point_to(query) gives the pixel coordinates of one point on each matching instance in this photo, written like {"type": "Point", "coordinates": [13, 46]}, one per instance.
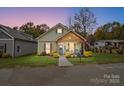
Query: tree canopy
{"type": "Point", "coordinates": [31, 29]}
{"type": "Point", "coordinates": [84, 22]}
{"type": "Point", "coordinates": [109, 31]}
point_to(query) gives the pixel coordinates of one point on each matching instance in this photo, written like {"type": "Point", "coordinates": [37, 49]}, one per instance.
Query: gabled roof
{"type": "Point", "coordinates": [54, 27]}
{"type": "Point", "coordinates": [74, 33]}
{"type": "Point", "coordinates": [16, 34]}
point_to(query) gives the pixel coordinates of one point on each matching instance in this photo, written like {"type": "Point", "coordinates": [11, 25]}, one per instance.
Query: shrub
{"type": "Point", "coordinates": [43, 53]}
{"type": "Point", "coordinates": [51, 54]}
{"type": "Point", "coordinates": [5, 55]}
{"type": "Point", "coordinates": [55, 55]}
{"type": "Point", "coordinates": [68, 54]}
{"type": "Point", "coordinates": [88, 53]}
{"type": "Point", "coordinates": [72, 56]}
{"type": "Point", "coordinates": [120, 51]}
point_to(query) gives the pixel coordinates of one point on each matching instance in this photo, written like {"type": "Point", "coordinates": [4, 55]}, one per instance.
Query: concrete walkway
{"type": "Point", "coordinates": [64, 62]}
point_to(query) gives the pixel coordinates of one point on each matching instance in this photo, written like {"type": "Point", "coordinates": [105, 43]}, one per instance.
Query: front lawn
{"type": "Point", "coordinates": [99, 58]}
{"type": "Point", "coordinates": [30, 60]}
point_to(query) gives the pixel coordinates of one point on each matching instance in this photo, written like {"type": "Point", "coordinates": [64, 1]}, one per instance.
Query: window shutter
{"type": "Point", "coordinates": [50, 47]}
{"type": "Point", "coordinates": [5, 48]}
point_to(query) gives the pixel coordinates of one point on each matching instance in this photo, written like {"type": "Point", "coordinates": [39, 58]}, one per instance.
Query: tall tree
{"type": "Point", "coordinates": [34, 30]}
{"type": "Point", "coordinates": [110, 31]}
{"type": "Point", "coordinates": [84, 21]}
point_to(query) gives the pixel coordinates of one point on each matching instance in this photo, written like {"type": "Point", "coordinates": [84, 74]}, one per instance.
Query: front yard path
{"type": "Point", "coordinates": [64, 62]}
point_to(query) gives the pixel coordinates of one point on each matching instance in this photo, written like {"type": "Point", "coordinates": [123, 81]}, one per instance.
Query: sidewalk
{"type": "Point", "coordinates": [64, 62]}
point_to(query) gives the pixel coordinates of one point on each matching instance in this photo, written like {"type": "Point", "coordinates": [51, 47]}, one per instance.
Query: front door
{"type": "Point", "coordinates": [61, 51]}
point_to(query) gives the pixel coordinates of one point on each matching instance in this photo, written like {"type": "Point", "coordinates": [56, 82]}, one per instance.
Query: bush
{"type": "Point", "coordinates": [5, 55]}
{"type": "Point", "coordinates": [55, 55]}
{"type": "Point", "coordinates": [120, 51]}
{"type": "Point", "coordinates": [51, 54]}
{"type": "Point", "coordinates": [88, 53]}
{"type": "Point", "coordinates": [68, 54]}
{"type": "Point", "coordinates": [43, 54]}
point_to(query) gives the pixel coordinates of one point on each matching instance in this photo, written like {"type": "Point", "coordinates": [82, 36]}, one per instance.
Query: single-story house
{"type": "Point", "coordinates": [113, 43]}
{"type": "Point", "coordinates": [59, 38]}
{"type": "Point", "coordinates": [16, 43]}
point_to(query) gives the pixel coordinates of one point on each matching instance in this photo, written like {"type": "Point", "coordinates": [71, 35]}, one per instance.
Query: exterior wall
{"type": "Point", "coordinates": [54, 46]}
{"type": "Point", "coordinates": [9, 46]}
{"type": "Point", "coordinates": [41, 47]}
{"type": "Point", "coordinates": [25, 47]}
{"type": "Point", "coordinates": [99, 44]}
{"type": "Point", "coordinates": [52, 35]}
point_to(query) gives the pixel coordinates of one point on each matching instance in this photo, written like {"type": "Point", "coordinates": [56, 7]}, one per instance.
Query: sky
{"type": "Point", "coordinates": [15, 16]}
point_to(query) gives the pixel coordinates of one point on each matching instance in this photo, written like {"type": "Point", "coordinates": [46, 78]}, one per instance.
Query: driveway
{"type": "Point", "coordinates": [90, 74]}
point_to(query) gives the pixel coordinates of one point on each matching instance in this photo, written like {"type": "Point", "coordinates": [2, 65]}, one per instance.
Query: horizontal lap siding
{"type": "Point", "coordinates": [40, 47]}
{"type": "Point", "coordinates": [26, 47]}
{"type": "Point", "coordinates": [9, 46]}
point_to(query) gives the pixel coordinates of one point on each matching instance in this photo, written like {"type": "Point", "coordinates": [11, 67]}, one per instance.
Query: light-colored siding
{"type": "Point", "coordinates": [40, 47]}
{"type": "Point", "coordinates": [26, 47]}
{"type": "Point", "coordinates": [9, 46]}
{"type": "Point", "coordinates": [54, 46]}
{"type": "Point", "coordinates": [52, 35]}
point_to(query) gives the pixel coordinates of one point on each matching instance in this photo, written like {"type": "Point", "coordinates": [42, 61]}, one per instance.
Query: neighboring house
{"type": "Point", "coordinates": [16, 43]}
{"type": "Point", "coordinates": [59, 38]}
{"type": "Point", "coordinates": [113, 43]}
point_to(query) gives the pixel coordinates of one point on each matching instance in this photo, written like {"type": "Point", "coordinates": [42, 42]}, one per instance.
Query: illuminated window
{"type": "Point", "coordinates": [47, 48]}
{"type": "Point", "coordinates": [59, 30]}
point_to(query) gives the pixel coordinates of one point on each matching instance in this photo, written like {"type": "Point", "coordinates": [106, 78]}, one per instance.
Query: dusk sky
{"type": "Point", "coordinates": [51, 16]}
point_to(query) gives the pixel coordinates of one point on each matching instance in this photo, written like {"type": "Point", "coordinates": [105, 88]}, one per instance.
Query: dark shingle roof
{"type": "Point", "coordinates": [17, 34]}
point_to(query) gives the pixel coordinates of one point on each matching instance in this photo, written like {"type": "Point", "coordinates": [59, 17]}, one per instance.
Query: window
{"type": "Point", "coordinates": [59, 30]}
{"type": "Point", "coordinates": [18, 49]}
{"type": "Point", "coordinates": [47, 48]}
{"type": "Point", "coordinates": [96, 43]}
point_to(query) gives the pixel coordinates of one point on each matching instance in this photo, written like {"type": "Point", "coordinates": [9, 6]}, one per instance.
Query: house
{"type": "Point", "coordinates": [59, 38]}
{"type": "Point", "coordinates": [16, 43]}
{"type": "Point", "coordinates": [113, 43]}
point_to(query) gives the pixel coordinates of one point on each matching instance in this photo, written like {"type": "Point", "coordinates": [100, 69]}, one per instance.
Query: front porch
{"type": "Point", "coordinates": [71, 42]}
{"type": "Point", "coordinates": [72, 47]}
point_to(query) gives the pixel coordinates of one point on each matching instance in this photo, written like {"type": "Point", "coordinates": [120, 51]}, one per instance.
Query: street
{"type": "Point", "coordinates": [82, 75]}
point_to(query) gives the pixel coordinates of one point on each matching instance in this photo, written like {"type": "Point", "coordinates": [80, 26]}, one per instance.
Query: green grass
{"type": "Point", "coordinates": [30, 60]}
{"type": "Point", "coordinates": [99, 58]}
